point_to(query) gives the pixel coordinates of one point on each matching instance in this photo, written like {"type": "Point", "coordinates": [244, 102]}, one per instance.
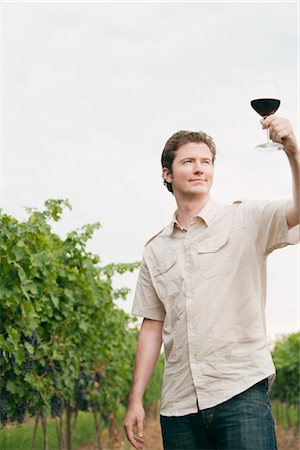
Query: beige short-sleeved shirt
{"type": "Point", "coordinates": [208, 285]}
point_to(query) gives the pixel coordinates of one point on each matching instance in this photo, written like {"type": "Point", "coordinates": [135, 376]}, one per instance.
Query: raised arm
{"type": "Point", "coordinates": [282, 131]}
{"type": "Point", "coordinates": [148, 348]}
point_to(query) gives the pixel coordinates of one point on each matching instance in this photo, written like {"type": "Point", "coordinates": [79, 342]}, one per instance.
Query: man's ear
{"type": "Point", "coordinates": [166, 174]}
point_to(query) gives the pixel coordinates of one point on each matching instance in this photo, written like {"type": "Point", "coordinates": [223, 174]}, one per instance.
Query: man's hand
{"type": "Point", "coordinates": [281, 131]}
{"type": "Point", "coordinates": [134, 425]}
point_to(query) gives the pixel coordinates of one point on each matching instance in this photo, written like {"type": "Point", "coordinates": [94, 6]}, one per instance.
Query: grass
{"type": "Point", "coordinates": [20, 437]}
{"type": "Point", "coordinates": [286, 415]}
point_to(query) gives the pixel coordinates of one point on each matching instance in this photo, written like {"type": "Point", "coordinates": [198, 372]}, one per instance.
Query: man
{"type": "Point", "coordinates": [201, 291]}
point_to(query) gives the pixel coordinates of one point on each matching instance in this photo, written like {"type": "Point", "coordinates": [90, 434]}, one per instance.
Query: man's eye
{"type": "Point", "coordinates": [187, 161]}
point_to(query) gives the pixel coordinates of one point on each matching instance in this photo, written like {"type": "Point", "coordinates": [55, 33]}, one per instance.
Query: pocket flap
{"type": "Point", "coordinates": [213, 244]}
{"type": "Point", "coordinates": [165, 266]}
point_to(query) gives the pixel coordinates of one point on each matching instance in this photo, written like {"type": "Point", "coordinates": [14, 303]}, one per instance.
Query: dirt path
{"type": "Point", "coordinates": [286, 440]}
{"type": "Point", "coordinates": [153, 439]}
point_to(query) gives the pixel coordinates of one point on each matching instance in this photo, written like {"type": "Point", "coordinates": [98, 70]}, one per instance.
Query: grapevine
{"type": "Point", "coordinates": [64, 345]}
{"type": "Point", "coordinates": [56, 405]}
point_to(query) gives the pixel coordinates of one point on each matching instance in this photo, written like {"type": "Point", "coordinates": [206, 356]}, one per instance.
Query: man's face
{"type": "Point", "coordinates": [192, 170]}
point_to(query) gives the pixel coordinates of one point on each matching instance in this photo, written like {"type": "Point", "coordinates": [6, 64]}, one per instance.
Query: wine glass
{"type": "Point", "coordinates": [265, 103]}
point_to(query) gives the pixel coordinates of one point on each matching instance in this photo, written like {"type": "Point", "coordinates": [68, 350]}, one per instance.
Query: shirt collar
{"type": "Point", "coordinates": [207, 213]}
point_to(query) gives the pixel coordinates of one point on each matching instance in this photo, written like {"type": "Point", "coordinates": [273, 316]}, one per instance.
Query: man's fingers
{"type": "Point", "coordinates": [280, 131]}
{"type": "Point", "coordinates": [139, 438]}
{"type": "Point", "coordinates": [267, 120]}
{"type": "Point", "coordinates": [129, 433]}
{"type": "Point", "coordinates": [136, 440]}
{"type": "Point", "coordinates": [140, 428]}
{"type": "Point", "coordinates": [276, 122]}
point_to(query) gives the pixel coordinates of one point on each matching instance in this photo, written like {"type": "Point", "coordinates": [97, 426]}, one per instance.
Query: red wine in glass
{"type": "Point", "coordinates": [265, 107]}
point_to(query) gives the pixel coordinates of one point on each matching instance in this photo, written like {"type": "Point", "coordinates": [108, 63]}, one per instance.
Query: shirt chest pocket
{"type": "Point", "coordinates": [213, 256]}
{"type": "Point", "coordinates": [167, 279]}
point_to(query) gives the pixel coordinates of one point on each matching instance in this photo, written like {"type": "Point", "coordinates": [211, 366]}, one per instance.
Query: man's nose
{"type": "Point", "coordinates": [198, 167]}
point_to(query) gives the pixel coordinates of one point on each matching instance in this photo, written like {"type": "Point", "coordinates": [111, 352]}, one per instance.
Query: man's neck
{"type": "Point", "coordinates": [188, 209]}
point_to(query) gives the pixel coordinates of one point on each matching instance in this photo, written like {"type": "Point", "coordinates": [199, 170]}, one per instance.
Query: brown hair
{"type": "Point", "coordinates": [177, 140]}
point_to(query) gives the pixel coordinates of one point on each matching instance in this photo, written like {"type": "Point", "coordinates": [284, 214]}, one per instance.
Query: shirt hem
{"type": "Point", "coordinates": [178, 412]}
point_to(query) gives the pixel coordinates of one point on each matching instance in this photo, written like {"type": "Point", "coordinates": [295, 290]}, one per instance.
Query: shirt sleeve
{"type": "Point", "coordinates": [146, 302]}
{"type": "Point", "coordinates": [270, 225]}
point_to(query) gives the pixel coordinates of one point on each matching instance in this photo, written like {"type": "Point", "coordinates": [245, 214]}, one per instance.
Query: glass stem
{"type": "Point", "coordinates": [268, 136]}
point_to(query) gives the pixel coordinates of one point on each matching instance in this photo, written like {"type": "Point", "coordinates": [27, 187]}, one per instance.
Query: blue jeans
{"type": "Point", "coordinates": [243, 422]}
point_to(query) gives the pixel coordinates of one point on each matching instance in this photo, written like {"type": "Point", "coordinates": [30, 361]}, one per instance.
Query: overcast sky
{"type": "Point", "coordinates": [92, 90]}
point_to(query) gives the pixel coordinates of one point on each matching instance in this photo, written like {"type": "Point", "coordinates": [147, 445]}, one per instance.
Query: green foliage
{"type": "Point", "coordinates": [152, 394]}
{"type": "Point", "coordinates": [63, 341]}
{"type": "Point", "coordinates": [286, 359]}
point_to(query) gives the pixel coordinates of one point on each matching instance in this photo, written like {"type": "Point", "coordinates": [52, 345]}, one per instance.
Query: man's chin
{"type": "Point", "coordinates": [199, 190]}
